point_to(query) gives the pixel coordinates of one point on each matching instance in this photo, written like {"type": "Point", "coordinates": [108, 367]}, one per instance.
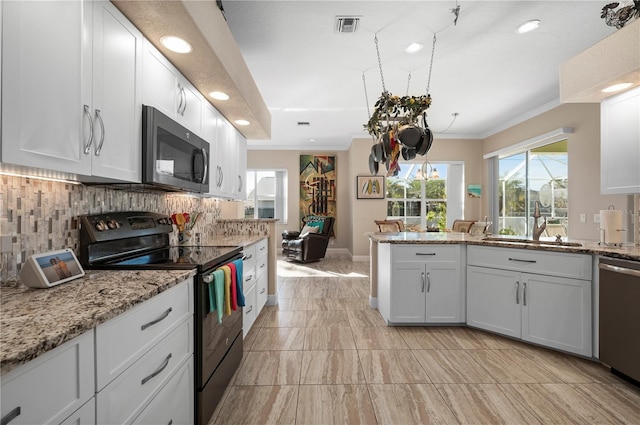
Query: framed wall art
{"type": "Point", "coordinates": [370, 187]}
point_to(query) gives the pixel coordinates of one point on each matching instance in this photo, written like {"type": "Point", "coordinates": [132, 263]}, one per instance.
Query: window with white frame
{"type": "Point", "coordinates": [534, 171]}
{"type": "Point", "coordinates": [266, 194]}
{"type": "Point", "coordinates": [426, 196]}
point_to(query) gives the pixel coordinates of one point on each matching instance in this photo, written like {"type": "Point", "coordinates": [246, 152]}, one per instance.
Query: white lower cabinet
{"type": "Point", "coordinates": [83, 416]}
{"type": "Point", "coordinates": [52, 387]}
{"type": "Point", "coordinates": [174, 403]}
{"type": "Point", "coordinates": [421, 283]}
{"type": "Point", "coordinates": [256, 281]}
{"type": "Point", "coordinates": [145, 374]}
{"type": "Point", "coordinates": [550, 308]}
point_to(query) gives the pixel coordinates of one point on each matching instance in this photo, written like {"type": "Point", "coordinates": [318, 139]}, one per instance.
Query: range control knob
{"type": "Point", "coordinates": [101, 226]}
{"type": "Point", "coordinates": [112, 224]}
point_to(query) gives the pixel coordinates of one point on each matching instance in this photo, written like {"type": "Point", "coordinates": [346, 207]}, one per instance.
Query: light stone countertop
{"type": "Point", "coordinates": [34, 321]}
{"type": "Point", "coordinates": [627, 252]}
{"type": "Point", "coordinates": [232, 240]}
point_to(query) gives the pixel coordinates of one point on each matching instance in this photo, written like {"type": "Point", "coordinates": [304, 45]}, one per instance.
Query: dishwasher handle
{"type": "Point", "coordinates": [617, 269]}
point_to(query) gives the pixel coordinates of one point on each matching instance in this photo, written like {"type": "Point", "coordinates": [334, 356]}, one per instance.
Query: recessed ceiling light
{"type": "Point", "coordinates": [413, 48]}
{"type": "Point", "coordinates": [312, 140]}
{"type": "Point", "coordinates": [176, 44]}
{"type": "Point", "coordinates": [218, 95]}
{"type": "Point", "coordinates": [242, 122]}
{"type": "Point", "coordinates": [616, 87]}
{"type": "Point", "coordinates": [528, 26]}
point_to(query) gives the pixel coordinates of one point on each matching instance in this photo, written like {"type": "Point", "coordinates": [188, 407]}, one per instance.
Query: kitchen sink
{"type": "Point", "coordinates": [530, 241]}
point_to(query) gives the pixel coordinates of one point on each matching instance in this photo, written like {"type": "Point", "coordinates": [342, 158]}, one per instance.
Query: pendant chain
{"type": "Point", "coordinates": [433, 49]}
{"type": "Point", "coordinates": [408, 83]}
{"type": "Point", "coordinates": [366, 96]}
{"type": "Point", "coordinates": [375, 39]}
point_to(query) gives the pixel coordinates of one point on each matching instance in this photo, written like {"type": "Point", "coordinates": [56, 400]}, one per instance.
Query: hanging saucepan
{"type": "Point", "coordinates": [386, 144]}
{"type": "Point", "coordinates": [408, 153]}
{"type": "Point", "coordinates": [373, 165]}
{"type": "Point", "coordinates": [427, 138]}
{"type": "Point", "coordinates": [409, 135]}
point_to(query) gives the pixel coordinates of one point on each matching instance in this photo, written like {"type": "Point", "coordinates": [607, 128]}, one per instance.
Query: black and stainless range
{"type": "Point", "coordinates": [140, 240]}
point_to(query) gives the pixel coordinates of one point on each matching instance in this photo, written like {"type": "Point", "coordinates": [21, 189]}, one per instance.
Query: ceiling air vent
{"type": "Point", "coordinates": [347, 24]}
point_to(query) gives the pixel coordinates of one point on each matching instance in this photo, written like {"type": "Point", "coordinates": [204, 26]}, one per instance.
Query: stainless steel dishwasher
{"type": "Point", "coordinates": [620, 316]}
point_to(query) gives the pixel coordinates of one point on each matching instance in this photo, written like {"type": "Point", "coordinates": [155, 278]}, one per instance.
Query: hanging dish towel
{"type": "Point", "coordinates": [227, 289]}
{"type": "Point", "coordinates": [239, 279]}
{"type": "Point", "coordinates": [234, 291]}
{"type": "Point", "coordinates": [218, 281]}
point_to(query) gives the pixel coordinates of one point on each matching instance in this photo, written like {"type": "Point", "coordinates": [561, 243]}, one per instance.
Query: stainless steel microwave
{"type": "Point", "coordinates": [174, 158]}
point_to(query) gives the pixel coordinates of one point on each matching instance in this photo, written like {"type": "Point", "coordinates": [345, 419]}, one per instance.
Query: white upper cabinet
{"type": "Point", "coordinates": [241, 186]}
{"type": "Point", "coordinates": [620, 143]}
{"type": "Point", "coordinates": [71, 89]}
{"type": "Point", "coordinates": [166, 89]}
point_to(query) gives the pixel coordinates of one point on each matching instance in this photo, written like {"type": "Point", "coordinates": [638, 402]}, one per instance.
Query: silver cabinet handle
{"type": "Point", "coordinates": [219, 183]}
{"type": "Point", "coordinates": [524, 293]}
{"type": "Point", "coordinates": [248, 257]}
{"type": "Point", "coordinates": [249, 278]}
{"type": "Point", "coordinates": [522, 261]}
{"type": "Point", "coordinates": [249, 310]}
{"type": "Point", "coordinates": [87, 146]}
{"type": "Point", "coordinates": [423, 282]}
{"type": "Point", "coordinates": [262, 265]}
{"type": "Point", "coordinates": [10, 416]}
{"type": "Point", "coordinates": [263, 289]}
{"type": "Point", "coordinates": [517, 292]}
{"type": "Point", "coordinates": [425, 253]}
{"type": "Point", "coordinates": [99, 146]}
{"type": "Point", "coordinates": [181, 97]}
{"type": "Point", "coordinates": [428, 281]}
{"type": "Point", "coordinates": [239, 184]}
{"type": "Point", "coordinates": [221, 176]}
{"type": "Point", "coordinates": [159, 319]}
{"type": "Point", "coordinates": [205, 160]}
{"type": "Point", "coordinates": [158, 370]}
{"type": "Point", "coordinates": [184, 107]}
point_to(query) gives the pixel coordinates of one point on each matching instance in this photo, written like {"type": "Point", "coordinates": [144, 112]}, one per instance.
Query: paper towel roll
{"type": "Point", "coordinates": [611, 226]}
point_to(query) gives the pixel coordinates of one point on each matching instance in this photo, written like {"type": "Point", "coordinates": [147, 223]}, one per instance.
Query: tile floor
{"type": "Point", "coordinates": [322, 356]}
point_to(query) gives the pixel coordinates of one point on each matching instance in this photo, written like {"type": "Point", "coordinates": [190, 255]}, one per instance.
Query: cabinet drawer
{"type": "Point", "coordinates": [248, 276]}
{"type": "Point", "coordinates": [576, 266]}
{"type": "Point", "coordinates": [250, 253]}
{"type": "Point", "coordinates": [174, 403]}
{"type": "Point", "coordinates": [86, 415]}
{"type": "Point", "coordinates": [249, 310]}
{"type": "Point", "coordinates": [51, 387]}
{"type": "Point", "coordinates": [261, 292]}
{"type": "Point", "coordinates": [120, 341]}
{"type": "Point", "coordinates": [124, 398]}
{"type": "Point", "coordinates": [262, 265]}
{"type": "Point", "coordinates": [262, 248]}
{"type": "Point", "coordinates": [425, 253]}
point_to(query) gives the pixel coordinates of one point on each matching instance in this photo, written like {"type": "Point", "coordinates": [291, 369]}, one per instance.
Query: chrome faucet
{"type": "Point", "coordinates": [537, 230]}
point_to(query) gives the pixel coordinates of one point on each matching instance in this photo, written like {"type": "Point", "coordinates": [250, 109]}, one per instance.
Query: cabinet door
{"type": "Point", "coordinates": [117, 94]}
{"type": "Point", "coordinates": [242, 167]}
{"type": "Point", "coordinates": [160, 82]}
{"type": "Point", "coordinates": [444, 294]}
{"type": "Point", "coordinates": [86, 415]}
{"type": "Point", "coordinates": [190, 106]}
{"type": "Point", "coordinates": [249, 311]}
{"type": "Point", "coordinates": [210, 122]}
{"type": "Point", "coordinates": [408, 289]}
{"type": "Point", "coordinates": [51, 387]}
{"type": "Point", "coordinates": [620, 143]}
{"type": "Point", "coordinates": [227, 158]}
{"type": "Point", "coordinates": [556, 312]}
{"type": "Point", "coordinates": [494, 300]}
{"type": "Point", "coordinates": [46, 84]}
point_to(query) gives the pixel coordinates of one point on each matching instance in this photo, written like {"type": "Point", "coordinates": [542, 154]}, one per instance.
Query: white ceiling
{"type": "Point", "coordinates": [484, 71]}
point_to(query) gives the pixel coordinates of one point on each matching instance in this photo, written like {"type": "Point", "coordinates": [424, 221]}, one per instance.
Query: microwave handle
{"type": "Point", "coordinates": [205, 160]}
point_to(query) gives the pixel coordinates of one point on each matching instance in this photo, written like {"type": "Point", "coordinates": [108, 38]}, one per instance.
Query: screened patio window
{"type": "Point", "coordinates": [266, 194]}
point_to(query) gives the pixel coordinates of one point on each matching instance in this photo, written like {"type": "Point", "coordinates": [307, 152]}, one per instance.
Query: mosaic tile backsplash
{"type": "Point", "coordinates": [39, 215]}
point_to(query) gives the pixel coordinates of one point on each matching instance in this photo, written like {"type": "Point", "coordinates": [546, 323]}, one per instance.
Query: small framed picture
{"type": "Point", "coordinates": [50, 268]}
{"type": "Point", "coordinates": [370, 187]}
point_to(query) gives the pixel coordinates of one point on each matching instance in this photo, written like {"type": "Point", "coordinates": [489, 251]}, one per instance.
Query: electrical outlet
{"type": "Point", "coordinates": [583, 218]}
{"type": "Point", "coordinates": [596, 218]}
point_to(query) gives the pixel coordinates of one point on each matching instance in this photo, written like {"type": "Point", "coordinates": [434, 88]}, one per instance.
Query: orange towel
{"type": "Point", "coordinates": [227, 289]}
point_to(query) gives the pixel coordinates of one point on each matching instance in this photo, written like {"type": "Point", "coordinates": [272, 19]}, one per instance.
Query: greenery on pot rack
{"type": "Point", "coordinates": [401, 109]}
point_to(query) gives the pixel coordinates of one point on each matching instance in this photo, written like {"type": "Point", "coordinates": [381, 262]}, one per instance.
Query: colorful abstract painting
{"type": "Point", "coordinates": [318, 186]}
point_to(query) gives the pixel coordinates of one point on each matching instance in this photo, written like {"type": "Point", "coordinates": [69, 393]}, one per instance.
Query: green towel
{"type": "Point", "coordinates": [218, 279]}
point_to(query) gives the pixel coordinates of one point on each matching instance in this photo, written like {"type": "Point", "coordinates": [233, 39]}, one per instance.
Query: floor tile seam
{"type": "Point", "coordinates": [526, 406]}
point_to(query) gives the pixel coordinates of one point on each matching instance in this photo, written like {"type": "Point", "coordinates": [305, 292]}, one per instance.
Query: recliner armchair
{"type": "Point", "coordinates": [304, 245]}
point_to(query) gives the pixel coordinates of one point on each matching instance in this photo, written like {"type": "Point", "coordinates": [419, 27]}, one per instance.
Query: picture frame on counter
{"type": "Point", "coordinates": [370, 187]}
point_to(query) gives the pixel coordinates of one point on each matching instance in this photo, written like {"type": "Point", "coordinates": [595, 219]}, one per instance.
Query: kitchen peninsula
{"type": "Point", "coordinates": [504, 286]}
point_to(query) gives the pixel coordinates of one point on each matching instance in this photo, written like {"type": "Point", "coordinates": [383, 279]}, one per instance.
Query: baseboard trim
{"type": "Point", "coordinates": [272, 299]}
{"type": "Point", "coordinates": [360, 258]}
{"type": "Point", "coordinates": [373, 302]}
